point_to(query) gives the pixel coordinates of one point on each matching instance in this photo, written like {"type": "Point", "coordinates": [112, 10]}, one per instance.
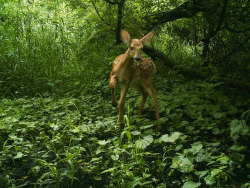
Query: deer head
{"type": "Point", "coordinates": [135, 45]}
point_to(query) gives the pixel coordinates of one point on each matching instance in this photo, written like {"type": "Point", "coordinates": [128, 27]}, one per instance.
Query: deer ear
{"type": "Point", "coordinates": [125, 37]}
{"type": "Point", "coordinates": [147, 38]}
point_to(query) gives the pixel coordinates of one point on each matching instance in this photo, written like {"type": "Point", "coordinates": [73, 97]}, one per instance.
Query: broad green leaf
{"type": "Point", "coordinates": [18, 155]}
{"type": "Point", "coordinates": [115, 157]}
{"type": "Point", "coordinates": [196, 147]}
{"type": "Point", "coordinates": [191, 184]}
{"type": "Point", "coordinates": [182, 164]}
{"type": "Point", "coordinates": [103, 142]}
{"type": "Point", "coordinates": [201, 173]}
{"type": "Point", "coordinates": [174, 136]}
{"type": "Point", "coordinates": [136, 132]}
{"type": "Point", "coordinates": [238, 127]}
{"type": "Point", "coordinates": [143, 143]}
{"type": "Point", "coordinates": [202, 156]}
{"type": "Point", "coordinates": [146, 127]}
{"type": "Point", "coordinates": [54, 126]}
{"type": "Point", "coordinates": [148, 138]}
{"type": "Point", "coordinates": [215, 172]}
{"type": "Point", "coordinates": [210, 180]}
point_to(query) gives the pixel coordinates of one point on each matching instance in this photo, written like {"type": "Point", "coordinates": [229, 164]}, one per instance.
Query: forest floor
{"type": "Point", "coordinates": [67, 141]}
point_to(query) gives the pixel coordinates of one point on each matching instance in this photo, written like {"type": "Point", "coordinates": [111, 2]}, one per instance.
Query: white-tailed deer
{"type": "Point", "coordinates": [132, 70]}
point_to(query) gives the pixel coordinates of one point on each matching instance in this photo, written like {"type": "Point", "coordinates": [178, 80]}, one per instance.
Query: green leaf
{"type": "Point", "coordinates": [135, 182]}
{"type": "Point", "coordinates": [146, 127]}
{"type": "Point", "coordinates": [148, 138]}
{"type": "Point", "coordinates": [143, 143]}
{"type": "Point", "coordinates": [237, 147]}
{"type": "Point", "coordinates": [196, 147]}
{"type": "Point", "coordinates": [238, 128]}
{"type": "Point", "coordinates": [109, 170]}
{"type": "Point", "coordinates": [237, 157]}
{"type": "Point", "coordinates": [232, 110]}
{"type": "Point", "coordinates": [103, 142]}
{"type": "Point", "coordinates": [174, 136]}
{"type": "Point", "coordinates": [115, 157]}
{"type": "Point", "coordinates": [182, 164]}
{"type": "Point", "coordinates": [136, 132]}
{"type": "Point", "coordinates": [218, 115]}
{"type": "Point", "coordinates": [201, 173]}
{"type": "Point", "coordinates": [191, 184]}
{"type": "Point", "coordinates": [203, 156]}
{"type": "Point", "coordinates": [211, 178]}
{"type": "Point", "coordinates": [19, 155]}
{"type": "Point", "coordinates": [98, 178]}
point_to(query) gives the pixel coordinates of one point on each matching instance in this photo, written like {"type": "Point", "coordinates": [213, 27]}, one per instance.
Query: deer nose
{"type": "Point", "coordinates": [138, 59]}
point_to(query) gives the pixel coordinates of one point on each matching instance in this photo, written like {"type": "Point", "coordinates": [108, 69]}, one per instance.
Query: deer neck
{"type": "Point", "coordinates": [127, 60]}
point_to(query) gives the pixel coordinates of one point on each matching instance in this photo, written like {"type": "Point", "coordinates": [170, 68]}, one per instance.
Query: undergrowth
{"type": "Point", "coordinates": [75, 142]}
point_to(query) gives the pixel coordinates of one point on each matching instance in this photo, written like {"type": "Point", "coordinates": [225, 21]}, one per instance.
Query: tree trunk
{"type": "Point", "coordinates": [189, 71]}
{"type": "Point", "coordinates": [119, 21]}
{"type": "Point", "coordinates": [156, 54]}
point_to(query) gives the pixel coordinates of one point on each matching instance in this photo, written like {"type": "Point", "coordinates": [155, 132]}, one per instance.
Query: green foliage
{"type": "Point", "coordinates": [43, 49]}
{"type": "Point", "coordinates": [57, 125]}
{"type": "Point", "coordinates": [67, 142]}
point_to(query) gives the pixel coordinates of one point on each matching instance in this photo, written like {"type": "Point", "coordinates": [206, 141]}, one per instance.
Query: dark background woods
{"type": "Point", "coordinates": [57, 124]}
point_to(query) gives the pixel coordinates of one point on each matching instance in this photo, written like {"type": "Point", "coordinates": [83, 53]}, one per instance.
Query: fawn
{"type": "Point", "coordinates": [132, 70]}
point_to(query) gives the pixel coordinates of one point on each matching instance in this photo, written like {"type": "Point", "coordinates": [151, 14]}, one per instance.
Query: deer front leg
{"type": "Point", "coordinates": [124, 91]}
{"type": "Point", "coordinates": [112, 84]}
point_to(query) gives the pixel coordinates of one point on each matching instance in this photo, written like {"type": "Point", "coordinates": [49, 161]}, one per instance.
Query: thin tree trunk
{"type": "Point", "coordinates": [119, 21]}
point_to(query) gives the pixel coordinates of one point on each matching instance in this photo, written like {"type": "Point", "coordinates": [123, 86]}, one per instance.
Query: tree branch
{"type": "Point", "coordinates": [112, 2]}
{"type": "Point", "coordinates": [185, 10]}
{"type": "Point", "coordinates": [97, 12]}
{"type": "Point", "coordinates": [235, 49]}
{"type": "Point", "coordinates": [235, 31]}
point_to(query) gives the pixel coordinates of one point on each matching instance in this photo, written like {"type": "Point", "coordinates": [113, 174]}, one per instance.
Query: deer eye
{"type": "Point", "coordinates": [132, 48]}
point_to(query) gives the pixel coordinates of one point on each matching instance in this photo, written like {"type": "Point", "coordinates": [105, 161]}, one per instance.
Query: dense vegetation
{"type": "Point", "coordinates": [58, 127]}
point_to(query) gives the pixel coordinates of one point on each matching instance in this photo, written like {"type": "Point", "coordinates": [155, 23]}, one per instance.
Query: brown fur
{"type": "Point", "coordinates": [131, 73]}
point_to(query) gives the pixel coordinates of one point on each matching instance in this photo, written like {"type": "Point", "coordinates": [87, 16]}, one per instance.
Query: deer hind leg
{"type": "Point", "coordinates": [151, 91]}
{"type": "Point", "coordinates": [124, 91]}
{"type": "Point", "coordinates": [144, 96]}
{"type": "Point", "coordinates": [112, 84]}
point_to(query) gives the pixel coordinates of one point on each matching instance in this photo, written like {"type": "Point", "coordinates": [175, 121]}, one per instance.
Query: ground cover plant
{"type": "Point", "coordinates": [58, 127]}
